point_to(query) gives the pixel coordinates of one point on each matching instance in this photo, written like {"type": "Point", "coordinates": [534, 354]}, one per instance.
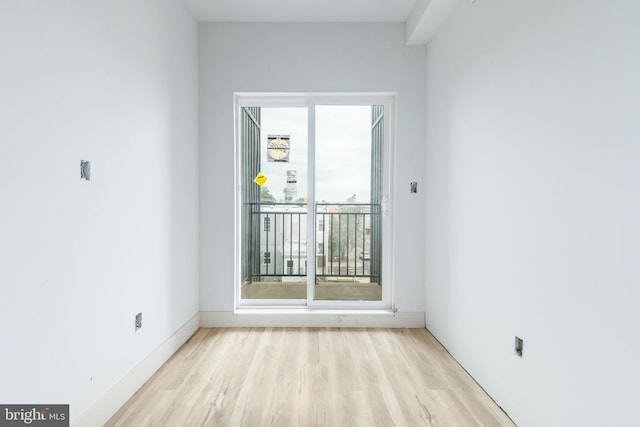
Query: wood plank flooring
{"type": "Point", "coordinates": [311, 377]}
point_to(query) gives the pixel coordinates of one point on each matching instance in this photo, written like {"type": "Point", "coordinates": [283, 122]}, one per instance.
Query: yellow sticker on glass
{"type": "Point", "coordinates": [260, 179]}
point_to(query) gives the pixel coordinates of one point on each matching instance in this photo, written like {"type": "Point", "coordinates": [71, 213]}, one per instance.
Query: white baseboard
{"type": "Point", "coordinates": [104, 408]}
{"type": "Point", "coordinates": [305, 318]}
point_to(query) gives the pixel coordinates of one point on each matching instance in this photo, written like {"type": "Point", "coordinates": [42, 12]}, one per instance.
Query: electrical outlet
{"type": "Point", "coordinates": [138, 321]}
{"type": "Point", "coordinates": [519, 345]}
{"type": "Point", "coordinates": [85, 169]}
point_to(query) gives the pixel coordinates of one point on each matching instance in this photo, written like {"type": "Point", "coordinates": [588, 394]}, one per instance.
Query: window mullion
{"type": "Point", "coordinates": [311, 203]}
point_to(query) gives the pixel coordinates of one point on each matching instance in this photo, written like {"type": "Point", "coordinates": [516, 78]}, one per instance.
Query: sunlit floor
{"type": "Point", "coordinates": [337, 291]}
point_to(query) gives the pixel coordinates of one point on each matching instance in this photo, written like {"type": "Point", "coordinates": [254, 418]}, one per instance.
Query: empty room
{"type": "Point", "coordinates": [319, 213]}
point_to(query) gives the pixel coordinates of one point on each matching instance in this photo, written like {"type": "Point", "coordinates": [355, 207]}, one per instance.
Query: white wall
{"type": "Point", "coordinates": [533, 169]}
{"type": "Point", "coordinates": [306, 58]}
{"type": "Point", "coordinates": [113, 82]}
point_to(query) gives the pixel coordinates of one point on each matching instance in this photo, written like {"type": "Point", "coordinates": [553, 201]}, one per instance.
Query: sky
{"type": "Point", "coordinates": [343, 151]}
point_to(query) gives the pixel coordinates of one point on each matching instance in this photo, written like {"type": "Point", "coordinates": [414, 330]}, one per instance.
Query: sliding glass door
{"type": "Point", "coordinates": [313, 218]}
{"type": "Point", "coordinates": [348, 194]}
{"type": "Point", "coordinates": [274, 203]}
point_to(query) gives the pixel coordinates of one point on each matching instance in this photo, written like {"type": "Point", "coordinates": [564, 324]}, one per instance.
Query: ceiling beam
{"type": "Point", "coordinates": [426, 18]}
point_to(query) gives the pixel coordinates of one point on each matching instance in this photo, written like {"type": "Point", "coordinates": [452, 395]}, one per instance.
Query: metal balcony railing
{"type": "Point", "coordinates": [346, 234]}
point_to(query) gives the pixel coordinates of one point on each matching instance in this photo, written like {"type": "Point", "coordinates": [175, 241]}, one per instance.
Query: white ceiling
{"type": "Point", "coordinates": [301, 10]}
{"type": "Point", "coordinates": [422, 17]}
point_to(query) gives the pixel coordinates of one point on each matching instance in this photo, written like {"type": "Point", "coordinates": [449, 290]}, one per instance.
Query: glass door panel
{"type": "Point", "coordinates": [348, 195]}
{"type": "Point", "coordinates": [274, 203]}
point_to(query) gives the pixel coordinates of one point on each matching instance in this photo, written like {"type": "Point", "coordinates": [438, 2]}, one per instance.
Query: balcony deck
{"type": "Point", "coordinates": [352, 290]}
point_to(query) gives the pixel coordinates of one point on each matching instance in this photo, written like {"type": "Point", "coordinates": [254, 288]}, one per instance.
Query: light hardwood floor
{"type": "Point", "coordinates": [311, 377]}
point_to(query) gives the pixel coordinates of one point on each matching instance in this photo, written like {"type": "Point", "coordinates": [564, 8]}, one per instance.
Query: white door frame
{"type": "Point", "coordinates": [310, 101]}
